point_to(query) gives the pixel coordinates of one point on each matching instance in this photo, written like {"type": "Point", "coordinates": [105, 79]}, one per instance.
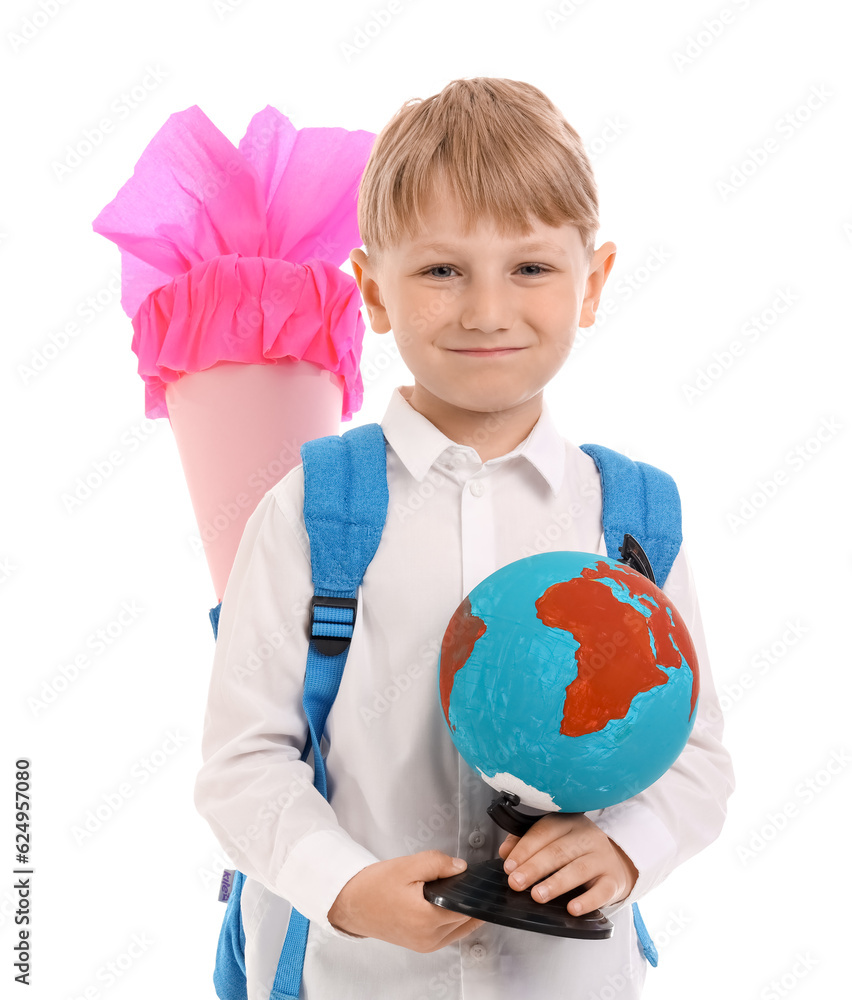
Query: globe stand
{"type": "Point", "coordinates": [482, 890]}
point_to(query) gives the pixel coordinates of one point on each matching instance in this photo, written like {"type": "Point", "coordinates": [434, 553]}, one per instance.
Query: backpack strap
{"type": "Point", "coordinates": [346, 502]}
{"type": "Point", "coordinates": [643, 501]}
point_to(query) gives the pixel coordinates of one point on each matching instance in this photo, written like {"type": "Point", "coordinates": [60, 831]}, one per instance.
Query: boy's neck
{"type": "Point", "coordinates": [489, 434]}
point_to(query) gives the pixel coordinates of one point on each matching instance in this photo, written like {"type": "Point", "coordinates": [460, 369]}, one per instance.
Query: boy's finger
{"type": "Point", "coordinates": [507, 845]}
{"type": "Point", "coordinates": [596, 896]}
{"type": "Point", "coordinates": [563, 862]}
{"type": "Point", "coordinates": [546, 831]}
{"type": "Point", "coordinates": [461, 931]}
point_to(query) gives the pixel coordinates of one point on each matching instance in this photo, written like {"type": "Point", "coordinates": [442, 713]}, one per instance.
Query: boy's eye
{"type": "Point", "coordinates": [542, 269]}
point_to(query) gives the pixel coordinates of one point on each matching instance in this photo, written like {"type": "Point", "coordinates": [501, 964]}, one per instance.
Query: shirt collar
{"type": "Point", "coordinates": [419, 443]}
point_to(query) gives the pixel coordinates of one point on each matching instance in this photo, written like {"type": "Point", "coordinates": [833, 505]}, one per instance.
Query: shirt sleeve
{"type": "Point", "coordinates": [253, 789]}
{"type": "Point", "coordinates": [684, 810]}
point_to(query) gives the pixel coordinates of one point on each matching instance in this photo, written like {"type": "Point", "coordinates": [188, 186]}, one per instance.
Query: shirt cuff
{"type": "Point", "coordinates": [315, 871]}
{"type": "Point", "coordinates": [645, 839]}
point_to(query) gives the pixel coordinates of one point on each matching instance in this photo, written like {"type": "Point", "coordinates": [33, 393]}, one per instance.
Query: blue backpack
{"type": "Point", "coordinates": [346, 500]}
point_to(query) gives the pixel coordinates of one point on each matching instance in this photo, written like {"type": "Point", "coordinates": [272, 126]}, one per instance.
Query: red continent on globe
{"type": "Point", "coordinates": [604, 686]}
{"type": "Point", "coordinates": [459, 639]}
{"type": "Point", "coordinates": [603, 691]}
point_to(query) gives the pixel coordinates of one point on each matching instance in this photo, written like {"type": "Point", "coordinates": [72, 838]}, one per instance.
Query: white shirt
{"type": "Point", "coordinates": [397, 785]}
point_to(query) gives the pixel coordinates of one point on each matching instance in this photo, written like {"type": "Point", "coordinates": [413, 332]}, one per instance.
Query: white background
{"type": "Point", "coordinates": [671, 110]}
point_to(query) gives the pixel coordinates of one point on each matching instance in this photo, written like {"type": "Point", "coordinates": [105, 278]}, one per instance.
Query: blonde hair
{"type": "Point", "coordinates": [506, 151]}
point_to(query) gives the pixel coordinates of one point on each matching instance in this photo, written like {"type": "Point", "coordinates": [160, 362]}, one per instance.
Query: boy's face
{"type": "Point", "coordinates": [482, 321]}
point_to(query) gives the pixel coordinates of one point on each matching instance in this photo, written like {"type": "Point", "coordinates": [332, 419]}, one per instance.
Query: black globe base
{"type": "Point", "coordinates": [483, 891]}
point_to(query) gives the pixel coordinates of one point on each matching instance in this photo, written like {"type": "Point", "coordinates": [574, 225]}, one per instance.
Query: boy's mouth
{"type": "Point", "coordinates": [487, 351]}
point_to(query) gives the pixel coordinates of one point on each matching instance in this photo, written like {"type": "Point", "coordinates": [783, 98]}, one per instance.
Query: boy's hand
{"type": "Point", "coordinates": [573, 851]}
{"type": "Point", "coordinates": [385, 900]}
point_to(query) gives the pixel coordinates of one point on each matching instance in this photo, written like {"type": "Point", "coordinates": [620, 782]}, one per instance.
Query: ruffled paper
{"type": "Point", "coordinates": [233, 254]}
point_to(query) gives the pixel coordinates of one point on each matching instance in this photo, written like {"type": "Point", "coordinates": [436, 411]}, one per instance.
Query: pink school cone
{"type": "Point", "coordinates": [247, 332]}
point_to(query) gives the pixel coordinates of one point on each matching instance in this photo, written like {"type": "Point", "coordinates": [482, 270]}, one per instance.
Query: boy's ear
{"type": "Point", "coordinates": [364, 270]}
{"type": "Point", "coordinates": [599, 267]}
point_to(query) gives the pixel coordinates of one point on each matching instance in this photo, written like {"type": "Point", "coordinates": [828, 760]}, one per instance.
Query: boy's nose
{"type": "Point", "coordinates": [486, 306]}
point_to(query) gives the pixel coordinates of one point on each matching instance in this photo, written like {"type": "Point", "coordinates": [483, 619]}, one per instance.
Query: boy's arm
{"type": "Point", "coordinates": [253, 790]}
{"type": "Point", "coordinates": [684, 810]}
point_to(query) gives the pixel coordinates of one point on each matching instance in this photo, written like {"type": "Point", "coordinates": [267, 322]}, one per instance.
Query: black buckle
{"type": "Point", "coordinates": [332, 645]}
{"type": "Point", "coordinates": [634, 556]}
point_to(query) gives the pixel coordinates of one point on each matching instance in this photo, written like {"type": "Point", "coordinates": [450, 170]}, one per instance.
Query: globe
{"type": "Point", "coordinates": [568, 679]}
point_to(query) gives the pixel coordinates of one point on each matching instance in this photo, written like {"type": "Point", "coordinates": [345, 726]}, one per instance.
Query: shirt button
{"type": "Point", "coordinates": [476, 839]}
{"type": "Point", "coordinates": [478, 951]}
{"type": "Point", "coordinates": [477, 487]}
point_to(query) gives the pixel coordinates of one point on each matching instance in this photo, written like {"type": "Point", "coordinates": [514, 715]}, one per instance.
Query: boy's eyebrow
{"type": "Point", "coordinates": [532, 246]}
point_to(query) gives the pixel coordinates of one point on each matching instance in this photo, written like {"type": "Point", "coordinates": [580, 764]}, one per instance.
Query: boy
{"type": "Point", "coordinates": [478, 209]}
